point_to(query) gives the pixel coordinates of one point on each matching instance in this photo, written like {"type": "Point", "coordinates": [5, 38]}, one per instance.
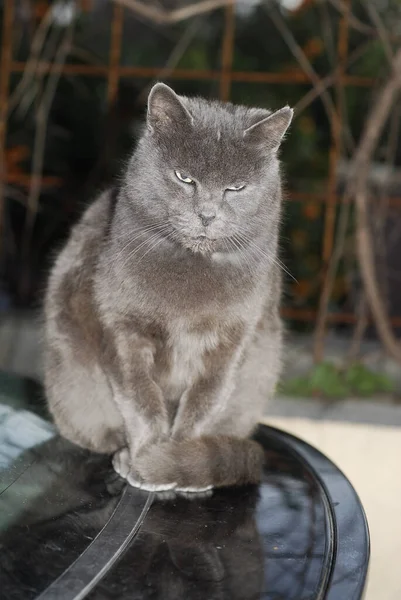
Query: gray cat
{"type": "Point", "coordinates": [163, 336]}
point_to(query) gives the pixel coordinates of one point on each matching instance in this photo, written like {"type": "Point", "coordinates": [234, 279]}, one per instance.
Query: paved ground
{"type": "Point", "coordinates": [370, 456]}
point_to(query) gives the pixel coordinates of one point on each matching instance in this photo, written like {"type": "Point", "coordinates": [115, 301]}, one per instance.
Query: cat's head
{"type": "Point", "coordinates": [209, 170]}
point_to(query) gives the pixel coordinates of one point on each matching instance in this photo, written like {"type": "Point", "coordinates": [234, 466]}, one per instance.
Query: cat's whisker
{"type": "Point", "coordinates": [239, 246]}
{"type": "Point", "coordinates": [153, 247]}
{"type": "Point", "coordinates": [238, 250]}
{"type": "Point", "coordinates": [148, 224]}
{"type": "Point", "coordinates": [269, 257]}
{"type": "Point", "coordinates": [230, 246]}
{"type": "Point", "coordinates": [149, 239]}
{"type": "Point", "coordinates": [137, 231]}
{"type": "Point", "coordinates": [159, 230]}
{"type": "Point", "coordinates": [131, 254]}
{"type": "Point", "coordinates": [253, 247]}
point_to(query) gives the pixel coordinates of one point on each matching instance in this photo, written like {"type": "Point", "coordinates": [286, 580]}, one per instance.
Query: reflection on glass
{"type": "Point", "coordinates": [193, 549]}
{"type": "Point", "coordinates": [266, 543]}
{"type": "Point", "coordinates": [54, 500]}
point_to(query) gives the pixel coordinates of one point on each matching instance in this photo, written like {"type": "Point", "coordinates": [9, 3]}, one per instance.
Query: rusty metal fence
{"type": "Point", "coordinates": [225, 76]}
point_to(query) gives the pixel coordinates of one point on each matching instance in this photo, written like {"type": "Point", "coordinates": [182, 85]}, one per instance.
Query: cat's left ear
{"type": "Point", "coordinates": [270, 131]}
{"type": "Point", "coordinates": [165, 109]}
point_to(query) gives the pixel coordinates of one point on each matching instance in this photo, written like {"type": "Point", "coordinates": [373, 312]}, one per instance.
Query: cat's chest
{"type": "Point", "coordinates": [183, 358]}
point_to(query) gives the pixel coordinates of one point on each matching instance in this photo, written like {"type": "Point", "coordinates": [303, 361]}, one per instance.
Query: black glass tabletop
{"type": "Point", "coordinates": [70, 529]}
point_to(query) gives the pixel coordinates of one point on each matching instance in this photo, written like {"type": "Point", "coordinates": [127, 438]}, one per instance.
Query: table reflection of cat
{"type": "Point", "coordinates": [186, 549]}
{"type": "Point", "coordinates": [207, 550]}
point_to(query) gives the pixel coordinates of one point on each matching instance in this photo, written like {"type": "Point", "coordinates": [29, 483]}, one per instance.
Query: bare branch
{"type": "Point", "coordinates": [363, 157]}
{"type": "Point", "coordinates": [331, 272]}
{"type": "Point", "coordinates": [33, 91]}
{"type": "Point", "coordinates": [328, 81]}
{"type": "Point", "coordinates": [327, 31]}
{"type": "Point", "coordinates": [354, 22]}
{"type": "Point", "coordinates": [178, 51]}
{"type": "Point", "coordinates": [359, 329]}
{"type": "Point", "coordinates": [167, 17]}
{"type": "Point", "coordinates": [33, 60]}
{"type": "Point", "coordinates": [40, 137]}
{"type": "Point", "coordinates": [319, 85]}
{"type": "Point", "coordinates": [358, 185]}
{"type": "Point", "coordinates": [378, 222]}
{"type": "Point", "coordinates": [381, 29]}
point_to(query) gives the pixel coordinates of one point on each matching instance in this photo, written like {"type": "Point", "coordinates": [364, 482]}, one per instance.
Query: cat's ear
{"type": "Point", "coordinates": [165, 109]}
{"type": "Point", "coordinates": [270, 131]}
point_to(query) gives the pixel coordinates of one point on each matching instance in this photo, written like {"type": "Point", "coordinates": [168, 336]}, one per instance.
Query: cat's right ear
{"type": "Point", "coordinates": [165, 109]}
{"type": "Point", "coordinates": [269, 132]}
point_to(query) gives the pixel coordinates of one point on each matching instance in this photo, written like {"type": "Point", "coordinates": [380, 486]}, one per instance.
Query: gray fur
{"type": "Point", "coordinates": [163, 336]}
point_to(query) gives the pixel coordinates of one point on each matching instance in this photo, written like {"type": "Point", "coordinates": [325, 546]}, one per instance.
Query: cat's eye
{"type": "Point", "coordinates": [183, 178]}
{"type": "Point", "coordinates": [236, 188]}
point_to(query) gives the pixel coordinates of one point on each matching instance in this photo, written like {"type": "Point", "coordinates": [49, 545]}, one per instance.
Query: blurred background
{"type": "Point", "coordinates": [73, 86]}
{"type": "Point", "coordinates": [74, 82]}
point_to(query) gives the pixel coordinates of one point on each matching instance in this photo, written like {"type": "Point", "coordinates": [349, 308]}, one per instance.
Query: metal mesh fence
{"type": "Point", "coordinates": [226, 78]}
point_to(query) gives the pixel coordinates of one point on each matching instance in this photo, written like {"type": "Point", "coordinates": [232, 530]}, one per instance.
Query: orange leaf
{"type": "Point", "coordinates": [40, 9]}
{"type": "Point", "coordinates": [86, 5]}
{"type": "Point", "coordinates": [16, 154]}
{"type": "Point", "coordinates": [302, 289]}
{"type": "Point", "coordinates": [312, 211]}
{"type": "Point", "coordinates": [313, 47]}
{"type": "Point", "coordinates": [13, 157]}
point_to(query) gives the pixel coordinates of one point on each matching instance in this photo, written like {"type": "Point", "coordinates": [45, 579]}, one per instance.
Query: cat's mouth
{"type": "Point", "coordinates": [201, 244]}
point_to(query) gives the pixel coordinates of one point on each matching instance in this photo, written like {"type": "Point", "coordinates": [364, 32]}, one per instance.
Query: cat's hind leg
{"type": "Point", "coordinates": [81, 403]}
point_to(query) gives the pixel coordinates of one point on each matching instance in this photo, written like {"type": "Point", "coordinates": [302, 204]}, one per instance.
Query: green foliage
{"type": "Point", "coordinates": [328, 381]}
{"type": "Point", "coordinates": [367, 382]}
{"type": "Point", "coordinates": [196, 56]}
{"type": "Point", "coordinates": [373, 61]}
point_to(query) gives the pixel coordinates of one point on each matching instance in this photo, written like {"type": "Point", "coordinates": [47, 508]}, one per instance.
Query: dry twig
{"type": "Point", "coordinates": [177, 53]}
{"type": "Point", "coordinates": [354, 22]}
{"type": "Point", "coordinates": [305, 64]}
{"type": "Point", "coordinates": [33, 60]}
{"type": "Point", "coordinates": [360, 163]}
{"type": "Point", "coordinates": [329, 80]}
{"type": "Point", "coordinates": [40, 137]}
{"type": "Point", "coordinates": [365, 247]}
{"type": "Point", "coordinates": [381, 29]}
{"type": "Point", "coordinates": [327, 31]}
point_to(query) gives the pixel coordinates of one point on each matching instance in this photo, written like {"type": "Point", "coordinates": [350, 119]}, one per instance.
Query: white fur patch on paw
{"type": "Point", "coordinates": [150, 487]}
{"type": "Point", "coordinates": [134, 482]}
{"type": "Point", "coordinates": [121, 463]}
{"type": "Point", "coordinates": [195, 490]}
{"type": "Point", "coordinates": [166, 496]}
{"type": "Point", "coordinates": [195, 495]}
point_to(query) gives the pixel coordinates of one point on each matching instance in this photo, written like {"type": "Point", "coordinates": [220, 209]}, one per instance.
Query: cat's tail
{"type": "Point", "coordinates": [202, 463]}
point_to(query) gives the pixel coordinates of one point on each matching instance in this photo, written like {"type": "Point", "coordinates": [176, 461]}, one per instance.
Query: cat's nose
{"type": "Point", "coordinates": [206, 217]}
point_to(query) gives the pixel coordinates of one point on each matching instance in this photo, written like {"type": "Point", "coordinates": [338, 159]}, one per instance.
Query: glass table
{"type": "Point", "coordinates": [71, 529]}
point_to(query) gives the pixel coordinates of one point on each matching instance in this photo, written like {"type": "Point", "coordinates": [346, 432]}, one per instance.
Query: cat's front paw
{"type": "Point", "coordinates": [155, 468]}
{"type": "Point", "coordinates": [160, 470]}
{"type": "Point", "coordinates": [122, 465]}
{"type": "Point", "coordinates": [122, 462]}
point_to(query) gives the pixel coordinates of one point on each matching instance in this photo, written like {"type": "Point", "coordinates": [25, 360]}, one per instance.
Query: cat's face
{"type": "Point", "coordinates": [210, 170]}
